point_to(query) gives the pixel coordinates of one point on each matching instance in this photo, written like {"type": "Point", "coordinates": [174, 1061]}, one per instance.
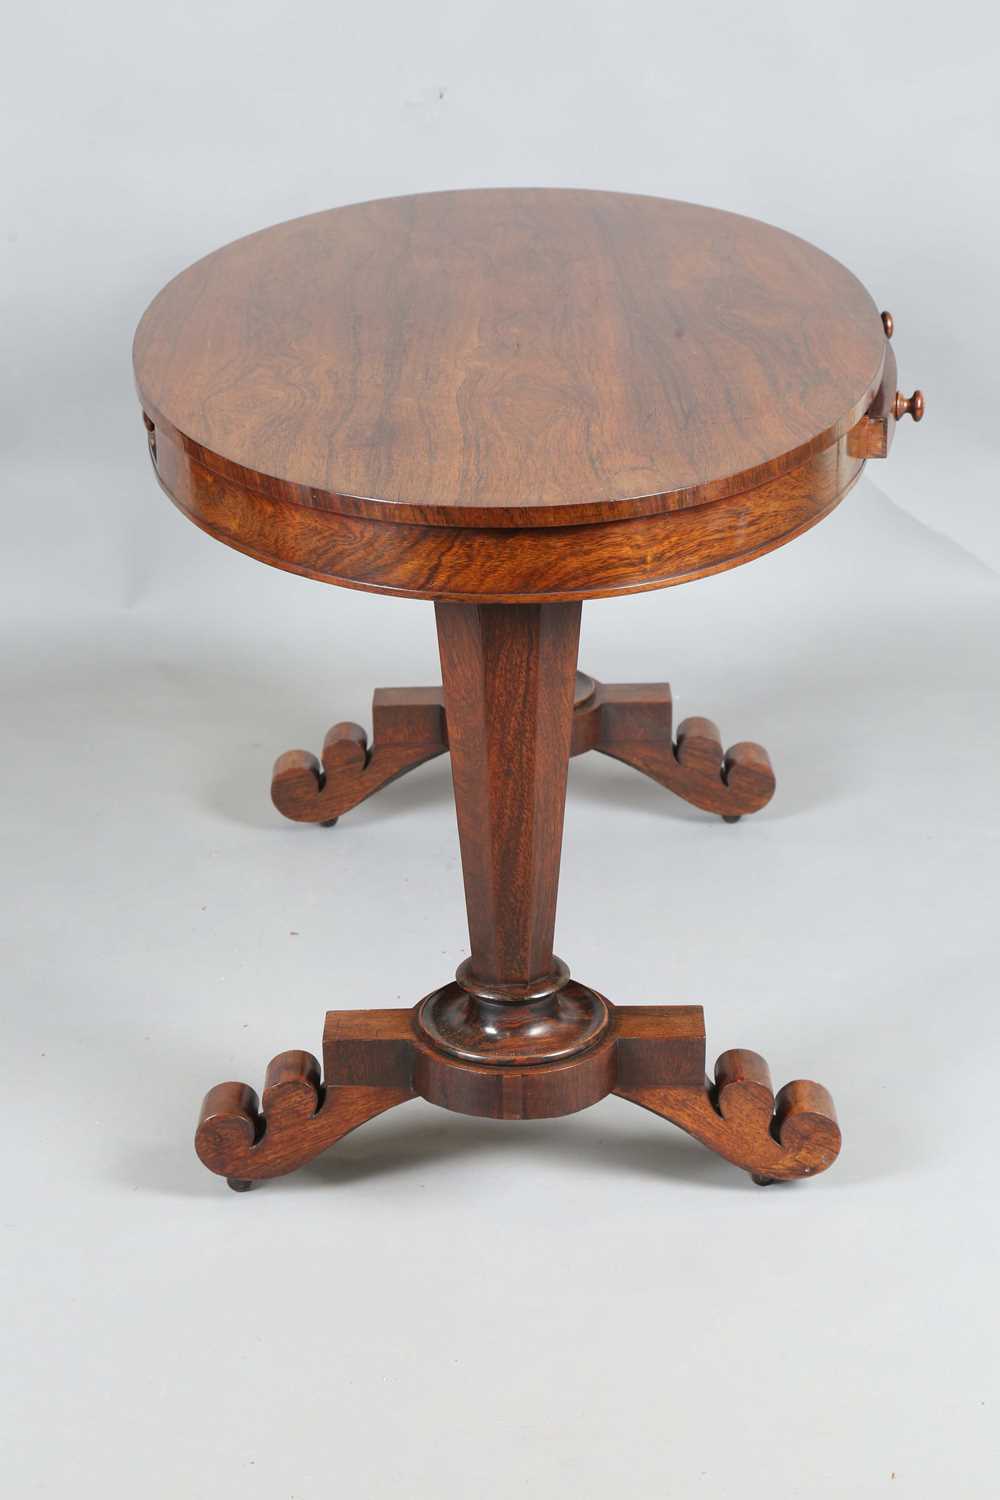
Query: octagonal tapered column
{"type": "Point", "coordinates": [509, 675]}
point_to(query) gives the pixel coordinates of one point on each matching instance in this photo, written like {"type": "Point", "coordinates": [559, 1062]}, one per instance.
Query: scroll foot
{"type": "Point", "coordinates": [633, 722]}
{"type": "Point", "coordinates": [653, 1055]}
{"type": "Point", "coordinates": [409, 728]}
{"type": "Point", "coordinates": [630, 722]}
{"type": "Point", "coordinates": [244, 1141]}
{"type": "Point", "coordinates": [773, 1138]}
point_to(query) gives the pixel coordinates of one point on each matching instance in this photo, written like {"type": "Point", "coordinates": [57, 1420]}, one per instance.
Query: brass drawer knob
{"type": "Point", "coordinates": [914, 405]}
{"type": "Point", "coordinates": [888, 324]}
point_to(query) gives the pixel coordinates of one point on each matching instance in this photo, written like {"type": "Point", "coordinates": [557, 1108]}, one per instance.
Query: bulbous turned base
{"type": "Point", "coordinates": [513, 1033]}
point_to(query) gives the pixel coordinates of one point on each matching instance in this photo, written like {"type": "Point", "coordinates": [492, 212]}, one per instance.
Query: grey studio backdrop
{"type": "Point", "coordinates": [441, 1306]}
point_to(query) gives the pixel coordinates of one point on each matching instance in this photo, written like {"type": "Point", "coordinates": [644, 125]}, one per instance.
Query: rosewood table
{"type": "Point", "coordinates": [507, 402]}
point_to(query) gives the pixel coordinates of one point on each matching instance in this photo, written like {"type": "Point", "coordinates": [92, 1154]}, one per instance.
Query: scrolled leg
{"type": "Point", "coordinates": [307, 790]}
{"type": "Point", "coordinates": [733, 783]}
{"type": "Point", "coordinates": [409, 728]}
{"type": "Point", "coordinates": [774, 1139]}
{"type": "Point", "coordinates": [630, 722]}
{"type": "Point", "coordinates": [229, 1125]}
{"type": "Point", "coordinates": [245, 1141]}
{"type": "Point", "coordinates": [633, 723]}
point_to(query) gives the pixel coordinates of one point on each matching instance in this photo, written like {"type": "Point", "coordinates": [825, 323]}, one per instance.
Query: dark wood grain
{"type": "Point", "coordinates": [516, 356]}
{"type": "Point", "coordinates": [497, 565]}
{"type": "Point", "coordinates": [509, 676]}
{"type": "Point", "coordinates": [542, 1092]}
{"type": "Point", "coordinates": [513, 1033]}
{"type": "Point", "coordinates": [507, 402]}
{"type": "Point", "coordinates": [409, 729]}
{"type": "Point", "coordinates": [631, 722]}
{"type": "Point", "coordinates": [775, 1139]}
{"type": "Point", "coordinates": [651, 1055]}
{"type": "Point", "coordinates": [246, 1141]}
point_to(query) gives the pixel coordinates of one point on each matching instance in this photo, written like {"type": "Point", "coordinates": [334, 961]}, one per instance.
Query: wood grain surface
{"type": "Point", "coordinates": [632, 722]}
{"type": "Point", "coordinates": [510, 357]}
{"type": "Point", "coordinates": [508, 401]}
{"type": "Point", "coordinates": [509, 681]}
{"type": "Point", "coordinates": [652, 1055]}
{"type": "Point", "coordinates": [498, 564]}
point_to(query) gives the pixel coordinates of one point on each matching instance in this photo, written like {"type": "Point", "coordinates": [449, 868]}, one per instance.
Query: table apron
{"type": "Point", "coordinates": [507, 565]}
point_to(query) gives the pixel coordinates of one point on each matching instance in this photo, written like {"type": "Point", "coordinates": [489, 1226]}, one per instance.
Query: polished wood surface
{"type": "Point", "coordinates": [507, 402]}
{"type": "Point", "coordinates": [652, 1055]}
{"type": "Point", "coordinates": [509, 689]}
{"type": "Point", "coordinates": [510, 357]}
{"type": "Point", "coordinates": [514, 1037]}
{"type": "Point", "coordinates": [514, 395]}
{"type": "Point", "coordinates": [496, 565]}
{"type": "Point", "coordinates": [409, 729]}
{"type": "Point", "coordinates": [631, 722]}
{"type": "Point", "coordinates": [909, 406]}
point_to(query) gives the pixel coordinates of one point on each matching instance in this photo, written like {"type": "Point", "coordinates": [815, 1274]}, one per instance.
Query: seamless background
{"type": "Point", "coordinates": [441, 1306]}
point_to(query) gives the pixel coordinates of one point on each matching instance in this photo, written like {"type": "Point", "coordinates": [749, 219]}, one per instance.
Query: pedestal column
{"type": "Point", "coordinates": [509, 673]}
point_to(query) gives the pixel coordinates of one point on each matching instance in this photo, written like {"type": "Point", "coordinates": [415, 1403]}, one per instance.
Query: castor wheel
{"type": "Point", "coordinates": [330, 823]}
{"type": "Point", "coordinates": [731, 817]}
{"type": "Point", "coordinates": [757, 1177]}
{"type": "Point", "coordinates": [240, 1184]}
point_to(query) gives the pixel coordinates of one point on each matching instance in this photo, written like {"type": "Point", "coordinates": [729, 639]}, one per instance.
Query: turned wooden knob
{"type": "Point", "coordinates": [887, 324]}
{"type": "Point", "coordinates": [913, 404]}
{"type": "Point", "coordinates": [150, 427]}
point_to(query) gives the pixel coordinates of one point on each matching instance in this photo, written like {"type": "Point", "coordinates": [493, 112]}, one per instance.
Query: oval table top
{"type": "Point", "coordinates": [510, 357]}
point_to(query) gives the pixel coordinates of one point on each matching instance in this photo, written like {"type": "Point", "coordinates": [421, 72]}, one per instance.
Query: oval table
{"type": "Point", "coordinates": [507, 402]}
